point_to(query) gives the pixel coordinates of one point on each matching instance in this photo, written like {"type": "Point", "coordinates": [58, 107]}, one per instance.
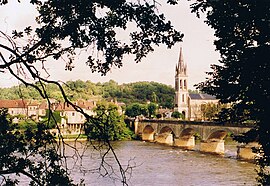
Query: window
{"type": "Point", "coordinates": [183, 98]}
{"type": "Point", "coordinates": [73, 113]}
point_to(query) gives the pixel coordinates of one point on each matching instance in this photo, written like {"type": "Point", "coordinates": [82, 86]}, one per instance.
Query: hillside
{"type": "Point", "coordinates": [140, 92]}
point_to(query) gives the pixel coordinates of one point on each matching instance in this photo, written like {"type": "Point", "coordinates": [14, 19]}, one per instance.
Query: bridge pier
{"type": "Point", "coordinates": [148, 137]}
{"type": "Point", "coordinates": [245, 151]}
{"type": "Point", "coordinates": [136, 126]}
{"type": "Point", "coordinates": [214, 146]}
{"type": "Point", "coordinates": [164, 138]}
{"type": "Point", "coordinates": [185, 142]}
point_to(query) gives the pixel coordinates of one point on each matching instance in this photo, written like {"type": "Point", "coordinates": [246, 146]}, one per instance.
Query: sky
{"type": "Point", "coordinates": [159, 66]}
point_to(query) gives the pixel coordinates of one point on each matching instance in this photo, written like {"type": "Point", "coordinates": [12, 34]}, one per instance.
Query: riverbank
{"type": "Point", "coordinates": [73, 137]}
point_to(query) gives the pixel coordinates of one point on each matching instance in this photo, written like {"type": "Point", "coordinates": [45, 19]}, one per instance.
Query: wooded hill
{"type": "Point", "coordinates": [139, 92]}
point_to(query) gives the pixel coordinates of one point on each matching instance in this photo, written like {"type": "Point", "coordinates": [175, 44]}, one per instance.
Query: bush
{"type": "Point", "coordinates": [177, 114]}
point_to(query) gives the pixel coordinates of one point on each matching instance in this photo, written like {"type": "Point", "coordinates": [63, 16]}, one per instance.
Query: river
{"type": "Point", "coordinates": [160, 165]}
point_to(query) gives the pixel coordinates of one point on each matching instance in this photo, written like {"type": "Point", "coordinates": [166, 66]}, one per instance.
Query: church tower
{"type": "Point", "coordinates": [181, 88]}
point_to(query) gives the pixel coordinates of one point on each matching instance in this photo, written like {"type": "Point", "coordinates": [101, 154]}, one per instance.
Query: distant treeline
{"type": "Point", "coordinates": [139, 92]}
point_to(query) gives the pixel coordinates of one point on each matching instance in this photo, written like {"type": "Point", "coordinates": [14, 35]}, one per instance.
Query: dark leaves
{"type": "Point", "coordinates": [86, 23]}
{"type": "Point", "coordinates": [242, 79]}
{"type": "Point", "coordinates": [16, 34]}
{"type": "Point", "coordinates": [28, 30]}
{"type": "Point", "coordinates": [29, 153]}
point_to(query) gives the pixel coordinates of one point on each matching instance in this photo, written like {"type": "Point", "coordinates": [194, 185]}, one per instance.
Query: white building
{"type": "Point", "coordinates": [72, 120]}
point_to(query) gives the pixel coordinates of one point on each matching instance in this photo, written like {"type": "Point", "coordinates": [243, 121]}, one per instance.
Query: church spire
{"type": "Point", "coordinates": [181, 58]}
{"type": "Point", "coordinates": [181, 67]}
{"type": "Point", "coordinates": [181, 86]}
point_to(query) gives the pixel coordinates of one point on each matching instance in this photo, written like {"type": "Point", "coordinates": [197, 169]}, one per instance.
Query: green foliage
{"type": "Point", "coordinates": [136, 109]}
{"type": "Point", "coordinates": [91, 26]}
{"type": "Point", "coordinates": [177, 114]}
{"type": "Point", "coordinates": [140, 92]}
{"type": "Point", "coordinates": [211, 111]}
{"type": "Point", "coordinates": [107, 124]}
{"type": "Point", "coordinates": [29, 153]}
{"type": "Point", "coordinates": [27, 124]}
{"type": "Point", "coordinates": [62, 30]}
{"type": "Point", "coordinates": [52, 119]}
{"type": "Point", "coordinates": [242, 77]}
{"type": "Point", "coordinates": [20, 116]}
{"type": "Point", "coordinates": [159, 115]}
{"type": "Point", "coordinates": [152, 109]}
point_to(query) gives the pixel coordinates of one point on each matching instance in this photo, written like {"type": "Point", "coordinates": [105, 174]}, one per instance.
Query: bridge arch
{"type": "Point", "coordinates": [187, 133]}
{"type": "Point", "coordinates": [218, 134]}
{"type": "Point", "coordinates": [148, 129]}
{"type": "Point", "coordinates": [166, 129]}
{"type": "Point", "coordinates": [148, 133]}
{"type": "Point", "coordinates": [186, 138]}
{"type": "Point", "coordinates": [214, 143]}
{"type": "Point", "coordinates": [166, 135]}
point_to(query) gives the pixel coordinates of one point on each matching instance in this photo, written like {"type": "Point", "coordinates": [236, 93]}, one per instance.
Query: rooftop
{"type": "Point", "coordinates": [202, 96]}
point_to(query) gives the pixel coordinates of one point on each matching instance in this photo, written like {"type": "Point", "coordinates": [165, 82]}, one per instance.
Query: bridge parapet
{"type": "Point", "coordinates": [205, 123]}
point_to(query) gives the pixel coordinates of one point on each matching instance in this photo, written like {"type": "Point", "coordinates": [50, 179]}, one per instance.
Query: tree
{"type": "Point", "coordinates": [242, 78]}
{"type": "Point", "coordinates": [136, 109]}
{"type": "Point", "coordinates": [153, 97]}
{"type": "Point", "coordinates": [107, 124]}
{"type": "Point", "coordinates": [52, 123]}
{"type": "Point", "coordinates": [133, 110]}
{"type": "Point", "coordinates": [210, 111]}
{"type": "Point", "coordinates": [177, 114]}
{"type": "Point", "coordinates": [66, 28]}
{"type": "Point", "coordinates": [30, 153]}
{"type": "Point", "coordinates": [152, 108]}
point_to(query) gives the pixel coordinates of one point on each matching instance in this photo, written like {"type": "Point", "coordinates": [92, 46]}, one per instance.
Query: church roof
{"type": "Point", "coordinates": [202, 96]}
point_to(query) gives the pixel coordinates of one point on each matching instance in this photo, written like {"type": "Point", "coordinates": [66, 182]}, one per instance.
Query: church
{"type": "Point", "coordinates": [190, 105]}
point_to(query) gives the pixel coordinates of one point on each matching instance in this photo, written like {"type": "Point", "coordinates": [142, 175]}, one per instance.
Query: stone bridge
{"type": "Point", "coordinates": [182, 134]}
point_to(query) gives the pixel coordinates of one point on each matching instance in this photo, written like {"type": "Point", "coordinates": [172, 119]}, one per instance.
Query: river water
{"type": "Point", "coordinates": [161, 165]}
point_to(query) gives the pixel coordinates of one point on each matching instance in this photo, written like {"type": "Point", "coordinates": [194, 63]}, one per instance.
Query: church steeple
{"type": "Point", "coordinates": [181, 67]}
{"type": "Point", "coordinates": [181, 88]}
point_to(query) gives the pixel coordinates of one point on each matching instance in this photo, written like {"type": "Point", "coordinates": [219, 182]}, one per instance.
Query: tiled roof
{"type": "Point", "coordinates": [32, 103]}
{"type": "Point", "coordinates": [64, 106]}
{"type": "Point", "coordinates": [13, 103]}
{"type": "Point", "coordinates": [44, 105]}
{"type": "Point", "coordinates": [202, 96]}
{"type": "Point", "coordinates": [207, 96]}
{"type": "Point", "coordinates": [195, 96]}
{"type": "Point", "coordinates": [88, 105]}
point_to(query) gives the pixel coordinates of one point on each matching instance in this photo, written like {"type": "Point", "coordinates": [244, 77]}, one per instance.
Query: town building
{"type": "Point", "coordinates": [15, 107]}
{"type": "Point", "coordinates": [190, 105]}
{"type": "Point", "coordinates": [72, 121]}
